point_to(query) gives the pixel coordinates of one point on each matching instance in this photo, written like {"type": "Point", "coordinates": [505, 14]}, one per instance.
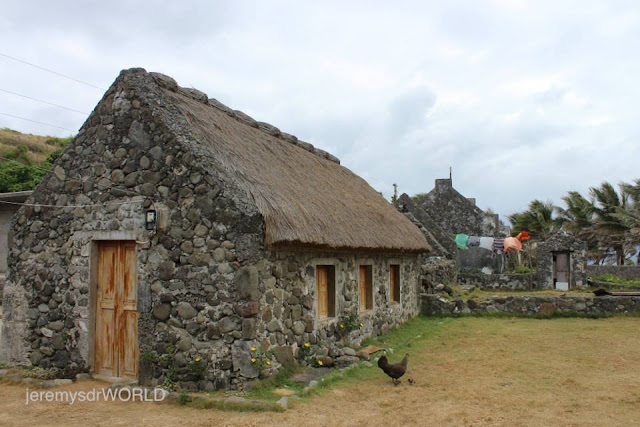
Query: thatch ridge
{"type": "Point", "coordinates": [305, 197]}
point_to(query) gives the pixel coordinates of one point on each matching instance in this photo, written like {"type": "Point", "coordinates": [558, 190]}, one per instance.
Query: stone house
{"type": "Point", "coordinates": [181, 227]}
{"type": "Point", "coordinates": [562, 262]}
{"type": "Point", "coordinates": [453, 213]}
{"type": "Point", "coordinates": [9, 205]}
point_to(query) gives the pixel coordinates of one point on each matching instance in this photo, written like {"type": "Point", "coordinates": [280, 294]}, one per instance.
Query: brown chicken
{"type": "Point", "coordinates": [396, 370]}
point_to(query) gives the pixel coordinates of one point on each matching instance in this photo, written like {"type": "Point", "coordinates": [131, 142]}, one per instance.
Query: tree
{"type": "Point", "coordinates": [539, 220]}
{"type": "Point", "coordinates": [609, 229]}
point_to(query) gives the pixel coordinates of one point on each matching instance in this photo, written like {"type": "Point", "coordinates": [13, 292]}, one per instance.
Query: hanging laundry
{"type": "Point", "coordinates": [511, 243]}
{"type": "Point", "coordinates": [473, 242]}
{"type": "Point", "coordinates": [522, 236]}
{"type": "Point", "coordinates": [498, 244]}
{"type": "Point", "coordinates": [486, 243]}
{"type": "Point", "coordinates": [461, 241]}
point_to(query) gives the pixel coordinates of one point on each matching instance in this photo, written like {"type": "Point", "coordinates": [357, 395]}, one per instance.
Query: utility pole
{"type": "Point", "coordinates": [394, 200]}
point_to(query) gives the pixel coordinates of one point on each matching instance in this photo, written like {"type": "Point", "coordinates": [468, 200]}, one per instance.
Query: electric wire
{"type": "Point", "coordinates": [35, 121]}
{"type": "Point", "coordinates": [44, 102]}
{"type": "Point", "coordinates": [51, 71]}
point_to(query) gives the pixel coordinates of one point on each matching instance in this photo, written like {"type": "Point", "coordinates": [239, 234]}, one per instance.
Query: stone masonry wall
{"type": "Point", "coordinates": [560, 242]}
{"type": "Point", "coordinates": [455, 214]}
{"type": "Point", "coordinates": [497, 281]}
{"type": "Point", "coordinates": [433, 305]}
{"type": "Point", "coordinates": [627, 272]}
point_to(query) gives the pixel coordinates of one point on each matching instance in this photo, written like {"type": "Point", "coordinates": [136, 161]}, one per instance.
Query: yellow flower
{"type": "Point", "coordinates": [306, 344]}
{"type": "Point", "coordinates": [341, 326]}
{"type": "Point", "coordinates": [253, 349]}
{"type": "Point", "coordinates": [268, 363]}
{"type": "Point", "coordinates": [360, 324]}
{"type": "Point", "coordinates": [320, 362]}
{"type": "Point", "coordinates": [197, 359]}
{"type": "Point", "coordinates": [253, 360]}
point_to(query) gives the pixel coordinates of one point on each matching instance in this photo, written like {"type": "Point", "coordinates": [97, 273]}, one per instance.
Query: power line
{"type": "Point", "coordinates": [44, 102]}
{"type": "Point", "coordinates": [115, 202]}
{"type": "Point", "coordinates": [35, 121]}
{"type": "Point", "coordinates": [51, 71]}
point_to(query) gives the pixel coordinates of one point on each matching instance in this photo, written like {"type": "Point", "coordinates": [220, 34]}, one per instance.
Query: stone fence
{"type": "Point", "coordinates": [497, 281]}
{"type": "Point", "coordinates": [627, 272]}
{"type": "Point", "coordinates": [434, 305]}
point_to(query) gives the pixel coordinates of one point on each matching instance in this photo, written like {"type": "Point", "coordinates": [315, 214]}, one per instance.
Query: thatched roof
{"type": "Point", "coordinates": [307, 199]}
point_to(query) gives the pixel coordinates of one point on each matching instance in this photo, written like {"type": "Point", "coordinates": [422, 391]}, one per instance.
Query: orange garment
{"type": "Point", "coordinates": [512, 243]}
{"type": "Point", "coordinates": [522, 236]}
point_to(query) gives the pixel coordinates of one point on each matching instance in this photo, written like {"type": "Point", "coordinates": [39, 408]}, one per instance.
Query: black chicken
{"type": "Point", "coordinates": [396, 370]}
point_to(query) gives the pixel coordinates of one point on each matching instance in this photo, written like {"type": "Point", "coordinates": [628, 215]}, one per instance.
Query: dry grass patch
{"type": "Point", "coordinates": [468, 371]}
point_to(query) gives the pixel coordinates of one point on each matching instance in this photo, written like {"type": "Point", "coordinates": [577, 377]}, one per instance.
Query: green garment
{"type": "Point", "coordinates": [461, 241]}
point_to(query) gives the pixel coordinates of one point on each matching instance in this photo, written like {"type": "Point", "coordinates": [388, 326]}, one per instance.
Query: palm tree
{"type": "Point", "coordinates": [609, 229]}
{"type": "Point", "coordinates": [578, 216]}
{"type": "Point", "coordinates": [539, 220]}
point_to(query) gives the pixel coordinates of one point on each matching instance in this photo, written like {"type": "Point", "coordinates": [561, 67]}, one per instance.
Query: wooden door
{"type": "Point", "coordinates": [322, 279]}
{"type": "Point", "coordinates": [561, 270]}
{"type": "Point", "coordinates": [394, 283]}
{"type": "Point", "coordinates": [116, 339]}
{"type": "Point", "coordinates": [363, 287]}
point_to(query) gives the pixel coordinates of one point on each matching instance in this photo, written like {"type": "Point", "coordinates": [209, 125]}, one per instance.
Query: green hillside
{"type": "Point", "coordinates": [25, 158]}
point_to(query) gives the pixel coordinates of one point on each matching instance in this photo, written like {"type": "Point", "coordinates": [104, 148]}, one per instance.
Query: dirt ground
{"type": "Point", "coordinates": [477, 372]}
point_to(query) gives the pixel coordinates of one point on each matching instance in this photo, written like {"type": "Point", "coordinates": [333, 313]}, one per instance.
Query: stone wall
{"type": "Point", "coordinates": [561, 241]}
{"type": "Point", "coordinates": [433, 305]}
{"type": "Point", "coordinates": [441, 242]}
{"type": "Point", "coordinates": [627, 272]}
{"type": "Point", "coordinates": [436, 271]}
{"type": "Point", "coordinates": [497, 281]}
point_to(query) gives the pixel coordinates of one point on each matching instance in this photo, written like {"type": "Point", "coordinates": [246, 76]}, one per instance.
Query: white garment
{"type": "Point", "coordinates": [487, 243]}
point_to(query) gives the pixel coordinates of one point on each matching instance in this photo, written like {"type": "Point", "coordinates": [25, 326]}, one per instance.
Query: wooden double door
{"type": "Point", "coordinates": [116, 335]}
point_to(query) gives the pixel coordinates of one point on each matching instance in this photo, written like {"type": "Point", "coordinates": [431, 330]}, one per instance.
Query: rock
{"type": "Point", "coordinates": [166, 270]}
{"type": "Point", "coordinates": [162, 312]}
{"type": "Point", "coordinates": [235, 399]}
{"type": "Point", "coordinates": [349, 351]}
{"type": "Point", "coordinates": [219, 255]}
{"type": "Point", "coordinates": [313, 383]}
{"type": "Point", "coordinates": [246, 283]}
{"type": "Point", "coordinates": [3, 372]}
{"type": "Point", "coordinates": [363, 355]}
{"type": "Point", "coordinates": [299, 327]}
{"type": "Point", "coordinates": [248, 329]}
{"type": "Point", "coordinates": [344, 361]}
{"type": "Point", "coordinates": [273, 325]}
{"type": "Point", "coordinates": [491, 309]}
{"type": "Point", "coordinates": [367, 364]}
{"type": "Point", "coordinates": [186, 311]}
{"type": "Point", "coordinates": [59, 382]}
{"type": "Point", "coordinates": [241, 357]}
{"type": "Point", "coordinates": [226, 324]}
{"type": "Point", "coordinates": [56, 326]}
{"type": "Point", "coordinates": [46, 332]}
{"type": "Point", "coordinates": [43, 308]}
{"type": "Point", "coordinates": [283, 354]}
{"type": "Point", "coordinates": [200, 259]}
{"type": "Point", "coordinates": [327, 361]}
{"type": "Point", "coordinates": [83, 377]}
{"type": "Point", "coordinates": [283, 402]}
{"type": "Point", "coordinates": [248, 309]}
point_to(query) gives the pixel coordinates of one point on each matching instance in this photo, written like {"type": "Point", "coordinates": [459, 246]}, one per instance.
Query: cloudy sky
{"type": "Point", "coordinates": [523, 99]}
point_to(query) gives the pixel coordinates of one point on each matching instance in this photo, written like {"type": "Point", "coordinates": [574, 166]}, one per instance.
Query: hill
{"type": "Point", "coordinates": [25, 158]}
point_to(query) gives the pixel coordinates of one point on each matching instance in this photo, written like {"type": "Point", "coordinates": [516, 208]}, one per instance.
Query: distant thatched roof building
{"type": "Point", "coordinates": [305, 196]}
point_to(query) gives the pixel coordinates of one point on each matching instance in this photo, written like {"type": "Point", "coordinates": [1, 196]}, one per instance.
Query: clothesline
{"type": "Point", "coordinates": [495, 244]}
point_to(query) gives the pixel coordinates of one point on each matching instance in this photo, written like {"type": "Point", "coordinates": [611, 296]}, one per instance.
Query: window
{"type": "Point", "coordinates": [366, 287]}
{"type": "Point", "coordinates": [326, 292]}
{"type": "Point", "coordinates": [394, 283]}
